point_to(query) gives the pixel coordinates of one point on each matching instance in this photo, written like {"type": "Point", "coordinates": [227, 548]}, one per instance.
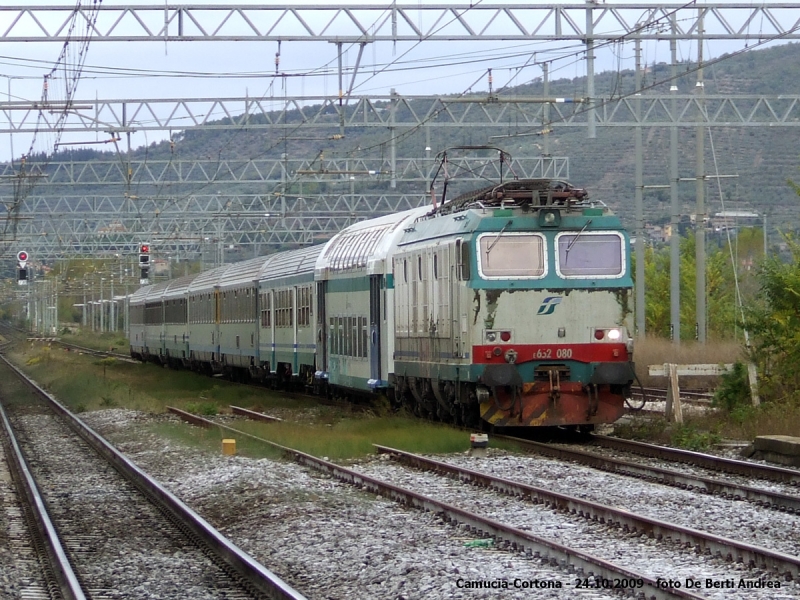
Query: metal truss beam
{"type": "Point", "coordinates": [356, 23]}
{"type": "Point", "coordinates": [57, 226]}
{"type": "Point", "coordinates": [287, 115]}
{"type": "Point", "coordinates": [157, 177]}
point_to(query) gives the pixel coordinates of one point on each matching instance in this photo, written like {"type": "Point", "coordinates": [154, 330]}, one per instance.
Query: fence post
{"type": "Point", "coordinates": [752, 375]}
{"type": "Point", "coordinates": [673, 410]}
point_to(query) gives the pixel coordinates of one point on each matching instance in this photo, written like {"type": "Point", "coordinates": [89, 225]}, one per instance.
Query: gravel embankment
{"type": "Point", "coordinates": [328, 539]}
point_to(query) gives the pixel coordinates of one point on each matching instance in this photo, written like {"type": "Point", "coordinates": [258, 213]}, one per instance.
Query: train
{"type": "Point", "coordinates": [507, 306]}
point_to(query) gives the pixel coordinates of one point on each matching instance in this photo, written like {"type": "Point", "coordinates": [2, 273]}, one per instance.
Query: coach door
{"type": "Point", "coordinates": [322, 327]}
{"type": "Point", "coordinates": [375, 327]}
{"type": "Point", "coordinates": [217, 352]}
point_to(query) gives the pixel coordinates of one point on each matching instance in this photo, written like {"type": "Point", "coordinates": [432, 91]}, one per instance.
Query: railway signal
{"type": "Point", "coordinates": [22, 270]}
{"type": "Point", "coordinates": [144, 255]}
{"type": "Point", "coordinates": [144, 263]}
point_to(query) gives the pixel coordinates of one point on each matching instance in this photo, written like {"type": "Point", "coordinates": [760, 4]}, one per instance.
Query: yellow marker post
{"type": "Point", "coordinates": [229, 447]}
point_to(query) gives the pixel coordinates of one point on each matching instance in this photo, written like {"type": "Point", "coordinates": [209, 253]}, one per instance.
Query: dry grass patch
{"type": "Point", "coordinates": [657, 351]}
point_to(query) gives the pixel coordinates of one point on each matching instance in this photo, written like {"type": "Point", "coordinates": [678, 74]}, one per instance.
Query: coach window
{"type": "Point", "coordinates": [304, 307]}
{"type": "Point", "coordinates": [511, 256]}
{"type": "Point", "coordinates": [266, 315]}
{"type": "Point", "coordinates": [595, 255]}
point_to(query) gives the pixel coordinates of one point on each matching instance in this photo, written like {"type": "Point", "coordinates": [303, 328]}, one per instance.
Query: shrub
{"type": "Point", "coordinates": [733, 390]}
{"type": "Point", "coordinates": [208, 409]}
{"type": "Point", "coordinates": [688, 436]}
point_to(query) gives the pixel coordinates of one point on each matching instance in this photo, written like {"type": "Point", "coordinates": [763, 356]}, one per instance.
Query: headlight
{"type": "Point", "coordinates": [614, 334]}
{"type": "Point", "coordinates": [491, 336]}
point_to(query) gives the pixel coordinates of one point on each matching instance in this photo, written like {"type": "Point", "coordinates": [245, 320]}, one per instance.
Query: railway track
{"type": "Point", "coordinates": [122, 532]}
{"type": "Point", "coordinates": [94, 352]}
{"type": "Point", "coordinates": [727, 489]}
{"type": "Point", "coordinates": [706, 461]}
{"type": "Point", "coordinates": [660, 394]}
{"type": "Point", "coordinates": [704, 543]}
{"type": "Point", "coordinates": [35, 565]}
{"type": "Point", "coordinates": [775, 563]}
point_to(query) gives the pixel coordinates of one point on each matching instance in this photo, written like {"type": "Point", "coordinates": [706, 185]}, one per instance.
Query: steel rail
{"type": "Point", "coordinates": [732, 550]}
{"type": "Point", "coordinates": [776, 500]}
{"type": "Point", "coordinates": [253, 573]}
{"type": "Point", "coordinates": [686, 396]}
{"type": "Point", "coordinates": [60, 566]}
{"type": "Point", "coordinates": [255, 416]}
{"type": "Point", "coordinates": [516, 538]}
{"type": "Point", "coordinates": [707, 461]}
{"type": "Point", "coordinates": [95, 351]}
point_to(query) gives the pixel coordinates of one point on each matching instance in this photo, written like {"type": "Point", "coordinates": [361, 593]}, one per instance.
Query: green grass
{"type": "Point", "coordinates": [347, 439]}
{"type": "Point", "coordinates": [354, 437]}
{"type": "Point", "coordinates": [86, 383]}
{"type": "Point", "coordinates": [211, 440]}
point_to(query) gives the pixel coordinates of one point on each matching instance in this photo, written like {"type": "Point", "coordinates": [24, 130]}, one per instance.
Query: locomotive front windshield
{"type": "Point", "coordinates": [511, 255]}
{"type": "Point", "coordinates": [590, 255]}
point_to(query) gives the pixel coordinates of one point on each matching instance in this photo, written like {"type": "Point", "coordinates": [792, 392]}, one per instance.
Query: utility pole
{"type": "Point", "coordinates": [675, 238]}
{"type": "Point", "coordinates": [700, 212]}
{"type": "Point", "coordinates": [590, 116]}
{"type": "Point", "coordinates": [638, 198]}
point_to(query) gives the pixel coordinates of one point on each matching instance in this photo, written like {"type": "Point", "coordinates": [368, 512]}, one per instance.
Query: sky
{"type": "Point", "coordinates": [149, 70]}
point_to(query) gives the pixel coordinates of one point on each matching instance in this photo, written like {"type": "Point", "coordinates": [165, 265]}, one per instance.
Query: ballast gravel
{"type": "Point", "coordinates": [330, 540]}
{"type": "Point", "coordinates": [689, 469]}
{"type": "Point", "coordinates": [655, 559]}
{"type": "Point", "coordinates": [740, 520]}
{"type": "Point", "coordinates": [327, 539]}
{"type": "Point", "coordinates": [20, 572]}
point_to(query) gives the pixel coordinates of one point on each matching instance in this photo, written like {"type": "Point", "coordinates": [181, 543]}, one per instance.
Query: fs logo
{"type": "Point", "coordinates": [549, 305]}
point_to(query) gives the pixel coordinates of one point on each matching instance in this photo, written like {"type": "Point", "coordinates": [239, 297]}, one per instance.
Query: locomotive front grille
{"type": "Point", "coordinates": [545, 372]}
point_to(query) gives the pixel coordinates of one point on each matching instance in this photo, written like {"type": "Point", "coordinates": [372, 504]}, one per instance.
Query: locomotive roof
{"type": "Point", "coordinates": [365, 244]}
{"type": "Point", "coordinates": [529, 194]}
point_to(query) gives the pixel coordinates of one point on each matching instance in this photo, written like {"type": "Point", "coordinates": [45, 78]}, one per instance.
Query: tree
{"type": "Point", "coordinates": [774, 324]}
{"type": "Point", "coordinates": [720, 290]}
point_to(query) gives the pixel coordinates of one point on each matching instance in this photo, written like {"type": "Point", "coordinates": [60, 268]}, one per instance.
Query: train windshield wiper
{"type": "Point", "coordinates": [497, 239]}
{"type": "Point", "coordinates": [575, 239]}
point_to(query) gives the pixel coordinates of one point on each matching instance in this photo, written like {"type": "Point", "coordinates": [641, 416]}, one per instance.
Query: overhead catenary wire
{"type": "Point", "coordinates": [397, 136]}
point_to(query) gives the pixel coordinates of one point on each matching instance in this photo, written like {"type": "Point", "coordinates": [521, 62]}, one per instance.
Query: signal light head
{"type": "Point", "coordinates": [22, 256]}
{"type": "Point", "coordinates": [144, 248]}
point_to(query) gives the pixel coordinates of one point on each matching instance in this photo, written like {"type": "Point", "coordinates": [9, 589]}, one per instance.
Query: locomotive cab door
{"type": "Point", "coordinates": [375, 326]}
{"type": "Point", "coordinates": [456, 277]}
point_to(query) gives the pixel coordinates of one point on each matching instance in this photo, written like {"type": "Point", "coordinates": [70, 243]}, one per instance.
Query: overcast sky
{"type": "Point", "coordinates": [115, 70]}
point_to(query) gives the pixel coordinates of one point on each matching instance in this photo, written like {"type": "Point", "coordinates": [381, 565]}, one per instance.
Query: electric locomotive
{"type": "Point", "coordinates": [513, 307]}
{"type": "Point", "coordinates": [509, 306]}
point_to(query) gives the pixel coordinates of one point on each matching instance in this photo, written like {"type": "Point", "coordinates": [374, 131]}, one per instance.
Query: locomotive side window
{"type": "Point", "coordinates": [463, 258]}
{"type": "Point", "coordinates": [595, 255]}
{"type": "Point", "coordinates": [511, 256]}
